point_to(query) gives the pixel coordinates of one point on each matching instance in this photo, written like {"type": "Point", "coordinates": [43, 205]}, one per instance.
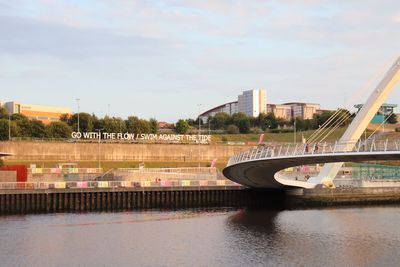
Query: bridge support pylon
{"type": "Point", "coordinates": [360, 123]}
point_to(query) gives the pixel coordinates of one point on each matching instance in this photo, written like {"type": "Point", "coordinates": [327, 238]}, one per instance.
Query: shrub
{"type": "Point", "coordinates": [232, 129]}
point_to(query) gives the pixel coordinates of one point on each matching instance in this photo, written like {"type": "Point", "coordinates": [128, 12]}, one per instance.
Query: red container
{"type": "Point", "coordinates": [22, 172]}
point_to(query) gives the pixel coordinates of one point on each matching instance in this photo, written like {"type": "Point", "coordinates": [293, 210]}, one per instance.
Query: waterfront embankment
{"type": "Point", "coordinates": [26, 201]}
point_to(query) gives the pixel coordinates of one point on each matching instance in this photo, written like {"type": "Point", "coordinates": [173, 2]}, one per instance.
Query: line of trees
{"type": "Point", "coordinates": [21, 126]}
{"type": "Point", "coordinates": [240, 123]}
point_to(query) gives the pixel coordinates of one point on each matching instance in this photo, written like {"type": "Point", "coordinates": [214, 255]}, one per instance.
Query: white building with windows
{"type": "Point", "coordinates": [253, 102]}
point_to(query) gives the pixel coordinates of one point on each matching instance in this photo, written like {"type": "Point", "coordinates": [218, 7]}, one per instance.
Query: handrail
{"type": "Point", "coordinates": [290, 149]}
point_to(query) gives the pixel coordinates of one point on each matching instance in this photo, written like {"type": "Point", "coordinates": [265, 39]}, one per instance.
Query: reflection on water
{"type": "Point", "coordinates": [220, 237]}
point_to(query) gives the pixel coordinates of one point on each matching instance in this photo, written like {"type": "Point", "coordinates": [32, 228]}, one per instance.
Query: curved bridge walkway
{"type": "Point", "coordinates": [260, 167]}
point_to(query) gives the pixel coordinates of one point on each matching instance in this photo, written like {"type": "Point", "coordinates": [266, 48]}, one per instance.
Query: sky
{"type": "Point", "coordinates": [161, 59]}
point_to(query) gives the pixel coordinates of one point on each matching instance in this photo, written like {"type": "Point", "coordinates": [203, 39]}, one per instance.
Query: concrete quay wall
{"type": "Point", "coordinates": [63, 151]}
{"type": "Point", "coordinates": [119, 199]}
{"type": "Point", "coordinates": [320, 197]}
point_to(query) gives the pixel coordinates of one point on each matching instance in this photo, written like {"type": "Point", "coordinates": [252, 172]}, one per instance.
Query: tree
{"type": "Point", "coordinates": [153, 123]}
{"type": "Point", "coordinates": [65, 118]}
{"type": "Point", "coordinates": [18, 116]}
{"type": "Point", "coordinates": [136, 125]}
{"type": "Point", "coordinates": [25, 129]}
{"type": "Point", "coordinates": [232, 129]}
{"type": "Point", "coordinates": [85, 122]}
{"type": "Point", "coordinates": [4, 129]}
{"type": "Point", "coordinates": [320, 119]}
{"type": "Point", "coordinates": [181, 127]}
{"type": "Point", "coordinates": [219, 121]}
{"type": "Point", "coordinates": [267, 121]}
{"type": "Point", "coordinates": [114, 125]}
{"type": "Point", "coordinates": [392, 118]}
{"type": "Point", "coordinates": [241, 121]}
{"type": "Point", "coordinates": [58, 129]}
{"type": "Point", "coordinates": [132, 124]}
{"type": "Point", "coordinates": [38, 129]}
{"type": "Point", "coordinates": [97, 123]}
{"type": "Point", "coordinates": [3, 113]}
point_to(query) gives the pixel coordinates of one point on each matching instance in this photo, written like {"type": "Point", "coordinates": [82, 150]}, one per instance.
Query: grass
{"type": "Point", "coordinates": [274, 137]}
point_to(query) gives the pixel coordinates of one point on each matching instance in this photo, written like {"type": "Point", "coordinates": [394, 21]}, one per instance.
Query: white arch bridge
{"type": "Point", "coordinates": [260, 167]}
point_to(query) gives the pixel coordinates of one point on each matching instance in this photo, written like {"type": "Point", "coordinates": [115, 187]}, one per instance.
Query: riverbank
{"type": "Point", "coordinates": [170, 198]}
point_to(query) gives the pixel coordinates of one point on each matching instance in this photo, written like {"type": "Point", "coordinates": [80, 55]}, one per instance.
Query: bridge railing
{"type": "Point", "coordinates": [292, 149]}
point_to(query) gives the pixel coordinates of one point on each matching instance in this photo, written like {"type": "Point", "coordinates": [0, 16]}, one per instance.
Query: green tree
{"type": "Point", "coordinates": [267, 121]}
{"type": "Point", "coordinates": [392, 118]}
{"type": "Point", "coordinates": [24, 126]}
{"type": "Point", "coordinates": [219, 120]}
{"type": "Point", "coordinates": [85, 122]}
{"type": "Point", "coordinates": [132, 124]}
{"type": "Point", "coordinates": [65, 118]}
{"type": "Point", "coordinates": [232, 129]}
{"type": "Point", "coordinates": [58, 129]}
{"type": "Point", "coordinates": [17, 116]}
{"type": "Point", "coordinates": [3, 113]}
{"type": "Point", "coordinates": [181, 127]}
{"type": "Point", "coordinates": [242, 122]}
{"type": "Point", "coordinates": [4, 129]}
{"type": "Point", "coordinates": [114, 125]}
{"type": "Point", "coordinates": [320, 119]}
{"type": "Point", "coordinates": [97, 123]}
{"type": "Point", "coordinates": [153, 123]}
{"type": "Point", "coordinates": [38, 129]}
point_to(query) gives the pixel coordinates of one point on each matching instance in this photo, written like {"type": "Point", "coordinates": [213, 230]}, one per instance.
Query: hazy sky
{"type": "Point", "coordinates": [162, 58]}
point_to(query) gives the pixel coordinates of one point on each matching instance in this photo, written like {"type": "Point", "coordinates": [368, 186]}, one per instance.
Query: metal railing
{"type": "Point", "coordinates": [65, 170]}
{"type": "Point", "coordinates": [115, 184]}
{"type": "Point", "coordinates": [195, 173]}
{"type": "Point", "coordinates": [289, 150]}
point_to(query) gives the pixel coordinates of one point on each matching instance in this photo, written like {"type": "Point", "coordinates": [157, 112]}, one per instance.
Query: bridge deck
{"type": "Point", "coordinates": [259, 168]}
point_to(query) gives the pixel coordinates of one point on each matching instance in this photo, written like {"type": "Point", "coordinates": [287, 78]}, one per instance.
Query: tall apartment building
{"type": "Point", "coordinates": [253, 102]}
{"type": "Point", "coordinates": [46, 114]}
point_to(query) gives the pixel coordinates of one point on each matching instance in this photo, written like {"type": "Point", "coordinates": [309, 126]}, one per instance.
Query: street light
{"type": "Point", "coordinates": [199, 105]}
{"type": "Point", "coordinates": [98, 147]}
{"type": "Point", "coordinates": [77, 100]}
{"type": "Point", "coordinates": [294, 131]}
{"type": "Point", "coordinates": [9, 126]}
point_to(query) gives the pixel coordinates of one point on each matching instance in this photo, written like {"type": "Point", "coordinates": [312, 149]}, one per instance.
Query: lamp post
{"type": "Point", "coordinates": [294, 131]}
{"type": "Point", "coordinates": [77, 100]}
{"type": "Point", "coordinates": [98, 147]}
{"type": "Point", "coordinates": [9, 126]}
{"type": "Point", "coordinates": [198, 139]}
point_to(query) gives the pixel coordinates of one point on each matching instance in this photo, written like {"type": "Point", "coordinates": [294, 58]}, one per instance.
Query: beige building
{"type": "Point", "coordinates": [280, 111]}
{"type": "Point", "coordinates": [305, 111]}
{"type": "Point", "coordinates": [292, 110]}
{"type": "Point", "coordinates": [46, 114]}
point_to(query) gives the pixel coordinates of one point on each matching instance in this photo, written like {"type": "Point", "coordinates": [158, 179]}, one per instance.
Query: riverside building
{"type": "Point", "coordinates": [46, 114]}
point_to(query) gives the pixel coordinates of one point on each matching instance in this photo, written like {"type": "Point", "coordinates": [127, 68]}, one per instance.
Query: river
{"type": "Point", "coordinates": [368, 236]}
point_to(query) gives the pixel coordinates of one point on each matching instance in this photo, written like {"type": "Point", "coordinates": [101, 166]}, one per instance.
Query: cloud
{"type": "Point", "coordinates": [31, 36]}
{"type": "Point", "coordinates": [169, 48]}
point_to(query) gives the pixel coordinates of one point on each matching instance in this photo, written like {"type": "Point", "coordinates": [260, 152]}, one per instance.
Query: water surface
{"type": "Point", "coordinates": [219, 237]}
